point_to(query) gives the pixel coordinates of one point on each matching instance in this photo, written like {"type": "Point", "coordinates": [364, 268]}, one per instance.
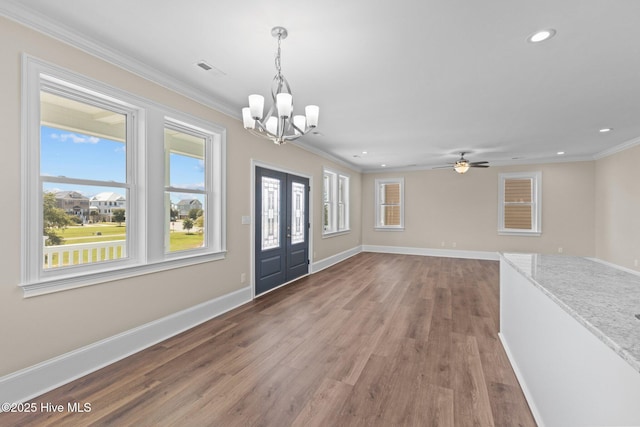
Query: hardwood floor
{"type": "Point", "coordinates": [377, 340]}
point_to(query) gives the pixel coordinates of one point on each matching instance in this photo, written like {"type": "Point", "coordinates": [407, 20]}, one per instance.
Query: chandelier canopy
{"type": "Point", "coordinates": [279, 124]}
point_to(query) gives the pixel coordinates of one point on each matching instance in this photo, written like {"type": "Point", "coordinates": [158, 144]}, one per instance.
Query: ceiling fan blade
{"type": "Point", "coordinates": [478, 163]}
{"type": "Point", "coordinates": [442, 167]}
{"type": "Point", "coordinates": [478, 166]}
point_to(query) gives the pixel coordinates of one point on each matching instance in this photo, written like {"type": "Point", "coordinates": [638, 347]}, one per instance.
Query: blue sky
{"type": "Point", "coordinates": [74, 155]}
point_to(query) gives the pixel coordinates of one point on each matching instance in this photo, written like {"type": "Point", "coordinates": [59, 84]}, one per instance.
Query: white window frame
{"type": "Point", "coordinates": [378, 226]}
{"type": "Point", "coordinates": [213, 185]}
{"type": "Point", "coordinates": [536, 203]}
{"type": "Point", "coordinates": [333, 228]}
{"type": "Point", "coordinates": [145, 178]}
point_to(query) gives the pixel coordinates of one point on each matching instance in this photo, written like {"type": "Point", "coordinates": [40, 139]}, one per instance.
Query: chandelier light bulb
{"type": "Point", "coordinates": [300, 122]}
{"type": "Point", "coordinates": [312, 112]}
{"type": "Point", "coordinates": [256, 104]}
{"type": "Point", "coordinates": [272, 125]}
{"type": "Point", "coordinates": [284, 102]}
{"type": "Point", "coordinates": [247, 120]}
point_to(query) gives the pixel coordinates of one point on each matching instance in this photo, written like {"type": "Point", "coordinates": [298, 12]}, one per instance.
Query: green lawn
{"type": "Point", "coordinates": [178, 240]}
{"type": "Point", "coordinates": [89, 233]}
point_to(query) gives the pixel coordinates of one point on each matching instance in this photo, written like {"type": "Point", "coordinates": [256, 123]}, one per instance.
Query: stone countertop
{"type": "Point", "coordinates": [603, 298]}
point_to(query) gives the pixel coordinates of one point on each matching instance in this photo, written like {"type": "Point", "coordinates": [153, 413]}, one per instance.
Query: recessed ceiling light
{"type": "Point", "coordinates": [541, 35]}
{"type": "Point", "coordinates": [605, 130]}
{"type": "Point", "coordinates": [383, 165]}
{"type": "Point", "coordinates": [560, 153]}
{"type": "Point", "coordinates": [364, 152]}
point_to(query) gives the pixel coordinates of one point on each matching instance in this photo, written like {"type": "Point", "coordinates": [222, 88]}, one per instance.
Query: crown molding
{"type": "Point", "coordinates": [305, 146]}
{"type": "Point", "coordinates": [618, 148]}
{"type": "Point", "coordinates": [39, 22]}
{"type": "Point", "coordinates": [516, 162]}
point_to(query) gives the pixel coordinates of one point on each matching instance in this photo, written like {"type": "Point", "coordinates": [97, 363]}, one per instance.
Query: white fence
{"type": "Point", "coordinates": [83, 253]}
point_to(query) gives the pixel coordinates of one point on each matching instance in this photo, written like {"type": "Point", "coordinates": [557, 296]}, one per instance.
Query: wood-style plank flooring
{"type": "Point", "coordinates": [377, 340]}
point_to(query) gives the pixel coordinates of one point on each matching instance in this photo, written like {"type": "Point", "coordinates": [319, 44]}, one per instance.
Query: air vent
{"type": "Point", "coordinates": [210, 68]}
{"type": "Point", "coordinates": [204, 65]}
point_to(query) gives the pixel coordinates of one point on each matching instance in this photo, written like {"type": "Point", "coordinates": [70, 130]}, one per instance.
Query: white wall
{"type": "Point", "coordinates": [618, 208]}
{"type": "Point", "coordinates": [39, 328]}
{"type": "Point", "coordinates": [443, 206]}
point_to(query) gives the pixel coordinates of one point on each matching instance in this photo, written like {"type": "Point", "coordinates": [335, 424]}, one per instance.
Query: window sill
{"type": "Point", "coordinates": [388, 228]}
{"type": "Point", "coordinates": [335, 233]}
{"type": "Point", "coordinates": [519, 233]}
{"type": "Point", "coordinates": [66, 283]}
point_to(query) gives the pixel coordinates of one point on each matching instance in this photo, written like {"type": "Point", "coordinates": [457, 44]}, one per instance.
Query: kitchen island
{"type": "Point", "coordinates": [570, 329]}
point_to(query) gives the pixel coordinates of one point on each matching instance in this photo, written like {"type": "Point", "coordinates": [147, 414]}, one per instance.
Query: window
{"type": "Point", "coordinates": [186, 189]}
{"type": "Point", "coordinates": [519, 206]}
{"type": "Point", "coordinates": [335, 202]}
{"type": "Point", "coordinates": [92, 189]}
{"type": "Point", "coordinates": [389, 199]}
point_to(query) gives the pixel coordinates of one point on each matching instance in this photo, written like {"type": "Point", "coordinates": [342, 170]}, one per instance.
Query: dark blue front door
{"type": "Point", "coordinates": [281, 228]}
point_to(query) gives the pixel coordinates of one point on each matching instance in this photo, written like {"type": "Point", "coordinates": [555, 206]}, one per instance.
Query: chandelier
{"type": "Point", "coordinates": [279, 124]}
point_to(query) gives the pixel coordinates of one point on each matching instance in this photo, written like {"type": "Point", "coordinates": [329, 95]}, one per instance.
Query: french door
{"type": "Point", "coordinates": [282, 228]}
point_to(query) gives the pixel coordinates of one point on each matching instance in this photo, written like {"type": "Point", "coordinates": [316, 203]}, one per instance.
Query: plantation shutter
{"type": "Point", "coordinates": [518, 204]}
{"type": "Point", "coordinates": [391, 204]}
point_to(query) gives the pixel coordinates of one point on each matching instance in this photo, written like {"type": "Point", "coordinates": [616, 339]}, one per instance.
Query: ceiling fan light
{"type": "Point", "coordinates": [461, 167]}
{"type": "Point", "coordinates": [256, 105]}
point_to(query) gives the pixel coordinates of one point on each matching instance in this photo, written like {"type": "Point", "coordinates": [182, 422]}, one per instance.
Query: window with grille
{"type": "Point", "coordinates": [335, 202]}
{"type": "Point", "coordinates": [92, 183]}
{"type": "Point", "coordinates": [389, 204]}
{"type": "Point", "coordinates": [519, 209]}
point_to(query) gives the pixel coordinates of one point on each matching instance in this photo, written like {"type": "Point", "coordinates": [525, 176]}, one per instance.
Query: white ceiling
{"type": "Point", "coordinates": [411, 82]}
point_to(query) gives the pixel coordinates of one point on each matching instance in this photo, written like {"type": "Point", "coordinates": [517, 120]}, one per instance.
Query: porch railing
{"type": "Point", "coordinates": [83, 253]}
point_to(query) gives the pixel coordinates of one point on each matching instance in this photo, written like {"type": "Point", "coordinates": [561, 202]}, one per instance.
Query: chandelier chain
{"type": "Point", "coordinates": [278, 66]}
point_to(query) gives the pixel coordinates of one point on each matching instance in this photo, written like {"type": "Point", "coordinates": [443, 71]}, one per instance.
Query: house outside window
{"type": "Point", "coordinates": [389, 204]}
{"type": "Point", "coordinates": [519, 208]}
{"type": "Point", "coordinates": [335, 202]}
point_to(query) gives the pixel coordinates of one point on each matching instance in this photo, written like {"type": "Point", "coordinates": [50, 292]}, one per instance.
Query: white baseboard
{"type": "Point", "coordinates": [334, 259]}
{"type": "Point", "coordinates": [33, 381]}
{"type": "Point", "coordinates": [447, 253]}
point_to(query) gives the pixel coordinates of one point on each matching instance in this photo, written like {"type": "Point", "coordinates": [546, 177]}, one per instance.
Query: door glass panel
{"type": "Point", "coordinates": [270, 213]}
{"type": "Point", "coordinates": [297, 213]}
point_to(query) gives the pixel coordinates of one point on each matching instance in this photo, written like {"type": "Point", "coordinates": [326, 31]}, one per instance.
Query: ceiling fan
{"type": "Point", "coordinates": [462, 165]}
